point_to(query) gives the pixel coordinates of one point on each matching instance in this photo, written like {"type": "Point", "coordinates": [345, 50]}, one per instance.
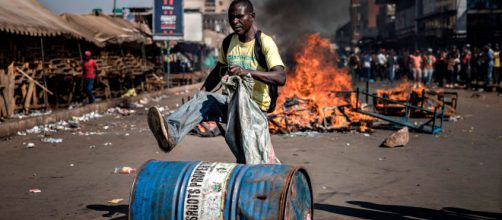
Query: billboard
{"type": "Point", "coordinates": [168, 20]}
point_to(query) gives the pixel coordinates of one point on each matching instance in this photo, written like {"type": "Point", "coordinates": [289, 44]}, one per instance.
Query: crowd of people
{"type": "Point", "coordinates": [467, 67]}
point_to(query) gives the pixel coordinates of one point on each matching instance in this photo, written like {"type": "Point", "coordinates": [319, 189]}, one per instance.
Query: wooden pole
{"type": "Point", "coordinates": [31, 79]}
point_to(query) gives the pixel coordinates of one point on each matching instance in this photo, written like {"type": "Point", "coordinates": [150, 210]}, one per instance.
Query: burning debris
{"type": "Point", "coordinates": [317, 96]}
{"type": "Point", "coordinates": [320, 97]}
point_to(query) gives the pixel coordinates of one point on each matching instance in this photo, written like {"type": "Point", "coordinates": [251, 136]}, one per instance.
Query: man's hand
{"type": "Point", "coordinates": [236, 70]}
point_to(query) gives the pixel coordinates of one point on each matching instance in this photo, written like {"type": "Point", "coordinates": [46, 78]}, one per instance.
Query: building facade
{"type": "Point", "coordinates": [484, 22]}
{"type": "Point", "coordinates": [442, 23]}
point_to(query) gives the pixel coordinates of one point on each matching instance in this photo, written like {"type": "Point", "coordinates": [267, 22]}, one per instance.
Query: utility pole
{"type": "Point", "coordinates": [114, 6]}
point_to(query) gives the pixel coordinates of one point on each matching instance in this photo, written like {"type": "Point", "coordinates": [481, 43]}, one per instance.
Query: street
{"type": "Point", "coordinates": [455, 174]}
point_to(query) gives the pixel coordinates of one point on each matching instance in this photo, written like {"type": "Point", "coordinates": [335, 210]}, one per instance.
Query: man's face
{"type": "Point", "coordinates": [240, 18]}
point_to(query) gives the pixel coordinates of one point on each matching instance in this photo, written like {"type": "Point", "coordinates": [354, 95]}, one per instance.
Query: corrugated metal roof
{"type": "Point", "coordinates": [28, 17]}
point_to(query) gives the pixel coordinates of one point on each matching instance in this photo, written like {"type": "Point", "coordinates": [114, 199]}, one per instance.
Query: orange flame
{"type": "Point", "coordinates": [313, 95]}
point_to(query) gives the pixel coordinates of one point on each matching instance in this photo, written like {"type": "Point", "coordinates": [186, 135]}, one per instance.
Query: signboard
{"type": "Point", "coordinates": [168, 20]}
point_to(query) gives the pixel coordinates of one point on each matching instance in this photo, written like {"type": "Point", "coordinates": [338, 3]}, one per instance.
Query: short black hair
{"type": "Point", "coordinates": [246, 3]}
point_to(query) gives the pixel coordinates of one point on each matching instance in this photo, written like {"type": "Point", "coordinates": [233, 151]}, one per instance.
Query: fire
{"type": "Point", "coordinates": [317, 95]}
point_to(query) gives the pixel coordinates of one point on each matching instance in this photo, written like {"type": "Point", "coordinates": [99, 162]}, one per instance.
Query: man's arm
{"type": "Point", "coordinates": [213, 78]}
{"type": "Point", "coordinates": [275, 76]}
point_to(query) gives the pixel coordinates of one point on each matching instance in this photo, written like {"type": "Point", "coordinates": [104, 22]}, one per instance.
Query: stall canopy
{"type": "Point", "coordinates": [28, 17]}
{"type": "Point", "coordinates": [102, 29]}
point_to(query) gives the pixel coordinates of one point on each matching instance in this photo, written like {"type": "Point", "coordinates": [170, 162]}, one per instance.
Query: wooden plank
{"type": "Point", "coordinates": [31, 79]}
{"type": "Point", "coordinates": [29, 95]}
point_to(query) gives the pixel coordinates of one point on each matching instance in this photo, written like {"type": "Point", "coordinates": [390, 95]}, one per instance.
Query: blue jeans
{"type": "Point", "coordinates": [391, 73]}
{"type": "Point", "coordinates": [205, 106]}
{"type": "Point", "coordinates": [489, 75]}
{"type": "Point", "coordinates": [427, 76]}
{"type": "Point", "coordinates": [88, 84]}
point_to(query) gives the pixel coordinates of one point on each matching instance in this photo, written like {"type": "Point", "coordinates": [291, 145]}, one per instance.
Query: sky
{"type": "Point", "coordinates": [86, 6]}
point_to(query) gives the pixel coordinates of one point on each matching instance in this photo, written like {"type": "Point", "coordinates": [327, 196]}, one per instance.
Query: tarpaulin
{"type": "Point", "coordinates": [102, 29]}
{"type": "Point", "coordinates": [247, 132]}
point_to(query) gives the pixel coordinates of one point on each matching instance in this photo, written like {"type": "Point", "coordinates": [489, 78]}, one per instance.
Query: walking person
{"type": "Point", "coordinates": [251, 57]}
{"type": "Point", "coordinates": [89, 72]}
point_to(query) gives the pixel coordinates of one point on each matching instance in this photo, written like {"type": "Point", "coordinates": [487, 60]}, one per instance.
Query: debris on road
{"type": "Point", "coordinates": [124, 170]}
{"type": "Point", "coordinates": [52, 140]}
{"type": "Point", "coordinates": [455, 118]}
{"type": "Point", "coordinates": [88, 133]}
{"type": "Point", "coordinates": [30, 145]}
{"type": "Point", "coordinates": [121, 111]}
{"type": "Point", "coordinates": [159, 98]}
{"type": "Point", "coordinates": [35, 191]}
{"type": "Point", "coordinates": [397, 139]}
{"type": "Point", "coordinates": [108, 144]}
{"type": "Point", "coordinates": [115, 201]}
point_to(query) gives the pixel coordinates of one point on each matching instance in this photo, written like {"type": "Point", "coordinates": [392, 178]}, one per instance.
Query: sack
{"type": "Point", "coordinates": [273, 90]}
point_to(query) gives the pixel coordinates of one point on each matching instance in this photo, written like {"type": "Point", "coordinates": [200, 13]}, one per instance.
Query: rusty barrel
{"type": "Point", "coordinates": [204, 190]}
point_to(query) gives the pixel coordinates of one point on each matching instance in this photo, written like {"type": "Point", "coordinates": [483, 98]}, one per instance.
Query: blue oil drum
{"type": "Point", "coordinates": [210, 191]}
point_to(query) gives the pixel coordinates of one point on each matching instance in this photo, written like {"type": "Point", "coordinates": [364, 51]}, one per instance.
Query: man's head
{"type": "Point", "coordinates": [241, 16]}
{"type": "Point", "coordinates": [87, 53]}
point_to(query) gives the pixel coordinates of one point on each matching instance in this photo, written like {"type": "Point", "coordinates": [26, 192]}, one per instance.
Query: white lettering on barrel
{"type": "Point", "coordinates": [205, 192]}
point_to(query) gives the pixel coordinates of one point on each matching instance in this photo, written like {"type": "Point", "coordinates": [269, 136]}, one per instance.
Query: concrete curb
{"type": "Point", "coordinates": [13, 126]}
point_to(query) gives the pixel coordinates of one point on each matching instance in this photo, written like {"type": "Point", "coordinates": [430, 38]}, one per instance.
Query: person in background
{"type": "Point", "coordinates": [366, 66]}
{"type": "Point", "coordinates": [497, 74]}
{"type": "Point", "coordinates": [89, 69]}
{"type": "Point", "coordinates": [392, 66]}
{"type": "Point", "coordinates": [441, 68]}
{"type": "Point", "coordinates": [450, 73]}
{"type": "Point", "coordinates": [488, 65]}
{"type": "Point", "coordinates": [354, 65]}
{"type": "Point", "coordinates": [374, 66]}
{"type": "Point", "coordinates": [381, 64]}
{"type": "Point", "coordinates": [466, 70]}
{"type": "Point", "coordinates": [429, 61]}
{"type": "Point", "coordinates": [416, 66]}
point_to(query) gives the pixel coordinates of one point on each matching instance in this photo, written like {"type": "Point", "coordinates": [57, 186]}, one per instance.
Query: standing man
{"type": "Point", "coordinates": [354, 65]}
{"type": "Point", "coordinates": [367, 66]}
{"type": "Point", "coordinates": [429, 61]}
{"type": "Point", "coordinates": [416, 66]}
{"type": "Point", "coordinates": [489, 66]}
{"type": "Point", "coordinates": [382, 61]}
{"type": "Point", "coordinates": [89, 69]}
{"type": "Point", "coordinates": [235, 59]}
{"type": "Point", "coordinates": [497, 74]}
{"type": "Point", "coordinates": [391, 66]}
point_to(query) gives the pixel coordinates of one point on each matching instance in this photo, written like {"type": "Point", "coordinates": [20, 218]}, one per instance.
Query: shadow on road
{"type": "Point", "coordinates": [370, 210]}
{"type": "Point", "coordinates": [112, 210]}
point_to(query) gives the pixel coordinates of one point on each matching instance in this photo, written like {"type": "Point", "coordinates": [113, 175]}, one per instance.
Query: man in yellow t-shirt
{"type": "Point", "coordinates": [240, 60]}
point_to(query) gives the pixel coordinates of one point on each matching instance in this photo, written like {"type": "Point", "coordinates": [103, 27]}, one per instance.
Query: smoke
{"type": "Point", "coordinates": [288, 21]}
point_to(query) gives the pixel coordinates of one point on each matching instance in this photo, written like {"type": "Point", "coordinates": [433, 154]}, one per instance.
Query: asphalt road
{"type": "Point", "coordinates": [456, 174]}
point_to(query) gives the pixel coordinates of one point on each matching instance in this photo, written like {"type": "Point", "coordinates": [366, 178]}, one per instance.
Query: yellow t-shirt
{"type": "Point", "coordinates": [496, 58]}
{"type": "Point", "coordinates": [242, 54]}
